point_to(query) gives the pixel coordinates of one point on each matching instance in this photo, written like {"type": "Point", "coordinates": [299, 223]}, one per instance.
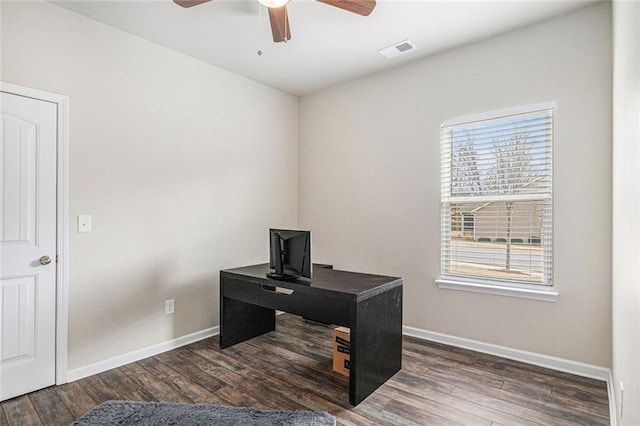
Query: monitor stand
{"type": "Point", "coordinates": [282, 277]}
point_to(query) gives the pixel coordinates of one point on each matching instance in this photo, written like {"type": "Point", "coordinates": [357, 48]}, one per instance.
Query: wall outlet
{"type": "Point", "coordinates": [621, 399]}
{"type": "Point", "coordinates": [169, 306]}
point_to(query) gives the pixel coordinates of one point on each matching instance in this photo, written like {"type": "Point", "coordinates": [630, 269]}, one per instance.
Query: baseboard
{"type": "Point", "coordinates": [559, 364]}
{"type": "Point", "coordinates": [613, 411]}
{"type": "Point", "coordinates": [554, 363]}
{"type": "Point", "coordinates": [120, 360]}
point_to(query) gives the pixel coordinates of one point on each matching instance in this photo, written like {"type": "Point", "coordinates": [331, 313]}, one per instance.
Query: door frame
{"type": "Point", "coordinates": [62, 218]}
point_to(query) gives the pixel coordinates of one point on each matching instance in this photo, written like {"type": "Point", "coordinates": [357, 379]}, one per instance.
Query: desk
{"type": "Point", "coordinates": [370, 305]}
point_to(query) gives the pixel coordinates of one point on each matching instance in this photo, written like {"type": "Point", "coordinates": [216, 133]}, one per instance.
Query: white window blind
{"type": "Point", "coordinates": [496, 195]}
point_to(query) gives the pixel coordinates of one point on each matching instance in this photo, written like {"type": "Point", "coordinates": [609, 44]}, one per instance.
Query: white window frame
{"type": "Point", "coordinates": [544, 291]}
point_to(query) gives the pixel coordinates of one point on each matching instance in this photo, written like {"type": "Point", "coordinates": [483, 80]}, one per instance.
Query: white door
{"type": "Point", "coordinates": [27, 243]}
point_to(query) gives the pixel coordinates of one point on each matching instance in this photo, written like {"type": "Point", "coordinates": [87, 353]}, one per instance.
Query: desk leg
{"type": "Point", "coordinates": [241, 321]}
{"type": "Point", "coordinates": [376, 343]}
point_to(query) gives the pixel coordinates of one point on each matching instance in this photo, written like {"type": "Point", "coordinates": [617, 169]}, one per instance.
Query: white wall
{"type": "Point", "coordinates": [178, 162]}
{"type": "Point", "coordinates": [369, 174]}
{"type": "Point", "coordinates": [626, 210]}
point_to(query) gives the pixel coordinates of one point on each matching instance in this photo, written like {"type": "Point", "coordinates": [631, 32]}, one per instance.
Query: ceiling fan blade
{"type": "Point", "coordinates": [361, 7]}
{"type": "Point", "coordinates": [189, 3]}
{"type": "Point", "coordinates": [279, 24]}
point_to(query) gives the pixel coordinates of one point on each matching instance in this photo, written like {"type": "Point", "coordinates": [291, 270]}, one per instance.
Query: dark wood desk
{"type": "Point", "coordinates": [370, 305]}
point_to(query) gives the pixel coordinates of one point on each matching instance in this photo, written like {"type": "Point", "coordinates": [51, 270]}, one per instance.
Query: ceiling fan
{"type": "Point", "coordinates": [278, 12]}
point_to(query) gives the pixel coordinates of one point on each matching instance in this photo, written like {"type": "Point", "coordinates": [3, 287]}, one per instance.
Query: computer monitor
{"type": "Point", "coordinates": [290, 254]}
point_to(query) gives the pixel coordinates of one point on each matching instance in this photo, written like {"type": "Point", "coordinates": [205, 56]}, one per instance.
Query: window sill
{"type": "Point", "coordinates": [546, 295]}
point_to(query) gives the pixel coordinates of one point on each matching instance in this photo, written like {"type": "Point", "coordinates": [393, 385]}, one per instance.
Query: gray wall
{"type": "Point", "coordinates": [369, 180]}
{"type": "Point", "coordinates": [626, 211]}
{"type": "Point", "coordinates": [169, 155]}
{"type": "Point", "coordinates": [174, 159]}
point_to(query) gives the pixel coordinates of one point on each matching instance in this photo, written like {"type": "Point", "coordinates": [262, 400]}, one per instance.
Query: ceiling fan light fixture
{"type": "Point", "coordinates": [274, 3]}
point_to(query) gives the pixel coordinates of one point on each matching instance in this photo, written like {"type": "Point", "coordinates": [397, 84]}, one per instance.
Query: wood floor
{"type": "Point", "coordinates": [291, 369]}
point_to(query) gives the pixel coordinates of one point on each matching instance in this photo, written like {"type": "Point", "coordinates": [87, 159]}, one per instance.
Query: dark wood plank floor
{"type": "Point", "coordinates": [291, 369]}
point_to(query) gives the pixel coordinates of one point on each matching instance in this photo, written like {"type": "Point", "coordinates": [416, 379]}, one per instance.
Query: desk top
{"type": "Point", "coordinates": [358, 284]}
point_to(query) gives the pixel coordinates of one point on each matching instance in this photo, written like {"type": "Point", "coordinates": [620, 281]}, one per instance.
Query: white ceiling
{"type": "Point", "coordinates": [328, 45]}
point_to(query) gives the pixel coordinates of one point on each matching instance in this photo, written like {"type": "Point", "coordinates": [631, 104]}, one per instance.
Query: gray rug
{"type": "Point", "coordinates": [168, 413]}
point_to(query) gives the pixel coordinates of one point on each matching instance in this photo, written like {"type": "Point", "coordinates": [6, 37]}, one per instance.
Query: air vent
{"type": "Point", "coordinates": [397, 49]}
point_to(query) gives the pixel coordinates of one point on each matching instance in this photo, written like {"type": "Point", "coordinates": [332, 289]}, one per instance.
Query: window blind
{"type": "Point", "coordinates": [496, 198]}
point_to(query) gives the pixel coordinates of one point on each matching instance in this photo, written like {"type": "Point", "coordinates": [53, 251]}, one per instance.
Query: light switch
{"type": "Point", "coordinates": [84, 223]}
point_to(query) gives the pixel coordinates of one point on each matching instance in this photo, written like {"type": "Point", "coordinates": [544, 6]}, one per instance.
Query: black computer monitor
{"type": "Point", "coordinates": [290, 254]}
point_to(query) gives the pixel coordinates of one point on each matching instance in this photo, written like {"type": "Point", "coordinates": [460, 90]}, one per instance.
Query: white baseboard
{"type": "Point", "coordinates": [554, 363]}
{"type": "Point", "coordinates": [559, 364]}
{"type": "Point", "coordinates": [120, 360]}
{"type": "Point", "coordinates": [613, 411]}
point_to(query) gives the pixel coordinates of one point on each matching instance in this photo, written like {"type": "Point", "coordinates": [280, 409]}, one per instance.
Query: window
{"type": "Point", "coordinates": [496, 198]}
{"type": "Point", "coordinates": [468, 224]}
